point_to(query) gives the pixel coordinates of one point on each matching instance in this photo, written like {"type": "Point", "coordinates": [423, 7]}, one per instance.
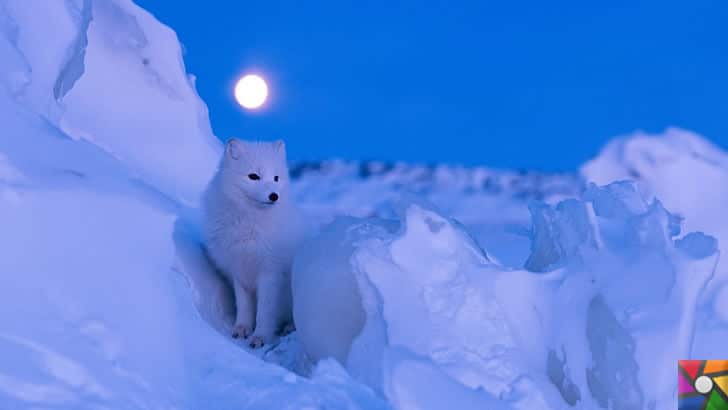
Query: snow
{"type": "Point", "coordinates": [492, 203]}
{"type": "Point", "coordinates": [687, 173]}
{"type": "Point", "coordinates": [444, 286]}
{"type": "Point", "coordinates": [431, 295]}
{"type": "Point", "coordinates": [86, 79]}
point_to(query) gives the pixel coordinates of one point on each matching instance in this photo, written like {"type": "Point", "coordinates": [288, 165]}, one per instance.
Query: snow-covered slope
{"type": "Point", "coordinates": [109, 301]}
{"type": "Point", "coordinates": [82, 65]}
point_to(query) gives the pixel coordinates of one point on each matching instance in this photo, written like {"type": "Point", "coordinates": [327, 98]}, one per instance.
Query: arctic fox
{"type": "Point", "coordinates": [251, 229]}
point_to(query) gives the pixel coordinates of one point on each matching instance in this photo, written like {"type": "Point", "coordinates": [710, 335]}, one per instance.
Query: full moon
{"type": "Point", "coordinates": [251, 91]}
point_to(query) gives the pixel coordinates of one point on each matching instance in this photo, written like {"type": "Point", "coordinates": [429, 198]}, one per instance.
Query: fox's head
{"type": "Point", "coordinates": [256, 172]}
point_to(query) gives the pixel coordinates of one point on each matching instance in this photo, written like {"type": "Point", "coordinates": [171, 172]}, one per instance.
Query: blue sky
{"type": "Point", "coordinates": [518, 84]}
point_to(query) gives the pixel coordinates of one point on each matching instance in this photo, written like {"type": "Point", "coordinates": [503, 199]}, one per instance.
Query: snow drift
{"type": "Point", "coordinates": [108, 73]}
{"type": "Point", "coordinates": [688, 174]}
{"type": "Point", "coordinates": [588, 332]}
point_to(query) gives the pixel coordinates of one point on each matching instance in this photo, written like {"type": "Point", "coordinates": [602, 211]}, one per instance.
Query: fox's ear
{"type": "Point", "coordinates": [233, 148]}
{"type": "Point", "coordinates": [279, 145]}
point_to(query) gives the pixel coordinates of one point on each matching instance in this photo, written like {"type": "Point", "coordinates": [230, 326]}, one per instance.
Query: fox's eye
{"type": "Point", "coordinates": [254, 177]}
{"type": "Point", "coordinates": [275, 178]}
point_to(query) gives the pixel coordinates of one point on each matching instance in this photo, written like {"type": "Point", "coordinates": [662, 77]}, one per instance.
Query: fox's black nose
{"type": "Point", "coordinates": [273, 197]}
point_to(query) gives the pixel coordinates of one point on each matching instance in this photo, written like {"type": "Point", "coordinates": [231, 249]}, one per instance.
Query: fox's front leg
{"type": "Point", "coordinates": [270, 304]}
{"type": "Point", "coordinates": [245, 311]}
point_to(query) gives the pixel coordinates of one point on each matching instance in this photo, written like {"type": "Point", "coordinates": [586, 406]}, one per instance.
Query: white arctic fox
{"type": "Point", "coordinates": [251, 229]}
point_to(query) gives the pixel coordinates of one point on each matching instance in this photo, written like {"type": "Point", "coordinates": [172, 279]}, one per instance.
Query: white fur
{"type": "Point", "coordinates": [252, 239]}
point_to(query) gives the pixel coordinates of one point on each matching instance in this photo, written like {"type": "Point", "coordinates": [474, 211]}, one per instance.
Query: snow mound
{"type": "Point", "coordinates": [429, 305]}
{"type": "Point", "coordinates": [632, 285]}
{"type": "Point", "coordinates": [688, 174]}
{"type": "Point", "coordinates": [108, 73]}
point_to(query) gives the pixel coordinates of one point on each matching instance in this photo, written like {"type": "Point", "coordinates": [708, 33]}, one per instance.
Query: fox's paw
{"type": "Point", "coordinates": [242, 331]}
{"type": "Point", "coordinates": [260, 338]}
{"type": "Point", "coordinates": [256, 341]}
